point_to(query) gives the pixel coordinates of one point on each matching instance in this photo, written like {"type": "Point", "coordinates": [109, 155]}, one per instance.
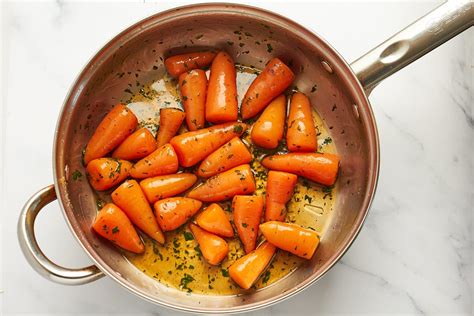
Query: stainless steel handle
{"type": "Point", "coordinates": [417, 39]}
{"type": "Point", "coordinates": [33, 253]}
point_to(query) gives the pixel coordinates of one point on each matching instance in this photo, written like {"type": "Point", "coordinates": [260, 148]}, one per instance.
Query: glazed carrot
{"type": "Point", "coordinates": [225, 185]}
{"type": "Point", "coordinates": [291, 237]}
{"type": "Point", "coordinates": [176, 65]}
{"type": "Point", "coordinates": [104, 173]}
{"type": "Point", "coordinates": [268, 129]}
{"type": "Point", "coordinates": [221, 101]}
{"type": "Point", "coordinates": [214, 220]}
{"type": "Point", "coordinates": [280, 186]}
{"type": "Point", "coordinates": [174, 212]}
{"type": "Point", "coordinates": [270, 83]}
{"type": "Point", "coordinates": [231, 154]}
{"type": "Point", "coordinates": [114, 128]}
{"type": "Point", "coordinates": [246, 270]}
{"type": "Point", "coordinates": [214, 249]}
{"type": "Point", "coordinates": [130, 198]}
{"type": "Point", "coordinates": [321, 168]}
{"type": "Point", "coordinates": [161, 187]}
{"type": "Point", "coordinates": [193, 87]}
{"type": "Point", "coordinates": [112, 224]}
{"type": "Point", "coordinates": [247, 211]}
{"type": "Point", "coordinates": [138, 145]}
{"type": "Point", "coordinates": [170, 122]}
{"type": "Point", "coordinates": [192, 147]}
{"type": "Point", "coordinates": [161, 161]}
{"type": "Point", "coordinates": [301, 132]}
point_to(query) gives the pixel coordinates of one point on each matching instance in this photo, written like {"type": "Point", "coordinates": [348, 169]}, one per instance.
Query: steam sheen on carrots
{"type": "Point", "coordinates": [116, 126]}
{"type": "Point", "coordinates": [136, 146]}
{"type": "Point", "coordinates": [174, 212]}
{"type": "Point", "coordinates": [105, 173]}
{"type": "Point", "coordinates": [214, 220]}
{"type": "Point", "coordinates": [161, 187]}
{"type": "Point", "coordinates": [214, 249]}
{"type": "Point", "coordinates": [221, 101]}
{"type": "Point", "coordinates": [268, 129]}
{"type": "Point", "coordinates": [269, 84]}
{"type": "Point", "coordinates": [161, 161]}
{"type": "Point", "coordinates": [170, 122]}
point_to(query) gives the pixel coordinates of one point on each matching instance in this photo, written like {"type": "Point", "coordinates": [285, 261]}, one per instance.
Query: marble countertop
{"type": "Point", "coordinates": [414, 254]}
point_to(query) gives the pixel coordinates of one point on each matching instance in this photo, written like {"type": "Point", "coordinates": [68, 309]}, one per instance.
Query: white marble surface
{"type": "Point", "coordinates": [414, 254]}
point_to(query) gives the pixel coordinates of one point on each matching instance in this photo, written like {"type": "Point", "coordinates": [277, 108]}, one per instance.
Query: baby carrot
{"type": "Point", "coordinates": [280, 186]}
{"type": "Point", "coordinates": [214, 249]}
{"type": "Point", "coordinates": [321, 168]}
{"type": "Point", "coordinates": [161, 161]}
{"type": "Point", "coordinates": [170, 122]}
{"type": "Point", "coordinates": [268, 129]}
{"type": "Point", "coordinates": [104, 173]}
{"type": "Point", "coordinates": [246, 270]}
{"type": "Point", "coordinates": [192, 147]}
{"type": "Point", "coordinates": [193, 87]}
{"type": "Point", "coordinates": [221, 101]}
{"type": "Point", "coordinates": [138, 145]}
{"type": "Point", "coordinates": [114, 128]}
{"type": "Point", "coordinates": [231, 154]}
{"type": "Point", "coordinates": [270, 83]}
{"type": "Point", "coordinates": [214, 220]}
{"type": "Point", "coordinates": [225, 185]}
{"type": "Point", "coordinates": [161, 187]}
{"type": "Point", "coordinates": [130, 198]}
{"type": "Point", "coordinates": [112, 224]}
{"type": "Point", "coordinates": [175, 211]}
{"type": "Point", "coordinates": [247, 211]}
{"type": "Point", "coordinates": [176, 65]}
{"type": "Point", "coordinates": [291, 237]}
{"type": "Point", "coordinates": [301, 132]}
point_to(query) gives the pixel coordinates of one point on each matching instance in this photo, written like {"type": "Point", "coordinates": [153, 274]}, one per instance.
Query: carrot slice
{"type": "Point", "coordinates": [104, 173]}
{"type": "Point", "coordinates": [114, 128]}
{"type": "Point", "coordinates": [130, 198]}
{"type": "Point", "coordinates": [161, 161]}
{"type": "Point", "coordinates": [161, 187]}
{"type": "Point", "coordinates": [193, 87]}
{"type": "Point", "coordinates": [214, 220]}
{"type": "Point", "coordinates": [214, 249]}
{"type": "Point", "coordinates": [170, 122]}
{"type": "Point", "coordinates": [247, 211]}
{"type": "Point", "coordinates": [225, 185]}
{"type": "Point", "coordinates": [192, 147]}
{"type": "Point", "coordinates": [112, 224]}
{"type": "Point", "coordinates": [174, 212]}
{"type": "Point", "coordinates": [176, 65]}
{"type": "Point", "coordinates": [231, 154]}
{"type": "Point", "coordinates": [280, 186]}
{"type": "Point", "coordinates": [270, 83]}
{"type": "Point", "coordinates": [221, 101]}
{"type": "Point", "coordinates": [301, 132]}
{"type": "Point", "coordinates": [291, 237]}
{"type": "Point", "coordinates": [138, 145]}
{"type": "Point", "coordinates": [321, 168]}
{"type": "Point", "coordinates": [246, 270]}
{"type": "Point", "coordinates": [268, 129]}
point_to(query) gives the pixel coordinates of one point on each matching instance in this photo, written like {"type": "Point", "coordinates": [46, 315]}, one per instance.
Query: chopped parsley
{"type": "Point", "coordinates": [76, 175]}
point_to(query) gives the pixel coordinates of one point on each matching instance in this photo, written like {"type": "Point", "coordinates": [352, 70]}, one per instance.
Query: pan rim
{"type": "Point", "coordinates": [128, 33]}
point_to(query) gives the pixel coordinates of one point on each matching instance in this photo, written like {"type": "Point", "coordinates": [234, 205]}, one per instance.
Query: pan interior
{"type": "Point", "coordinates": [252, 37]}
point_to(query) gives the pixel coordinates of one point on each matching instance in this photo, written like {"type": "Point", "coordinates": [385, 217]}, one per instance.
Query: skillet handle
{"type": "Point", "coordinates": [411, 43]}
{"type": "Point", "coordinates": [34, 255]}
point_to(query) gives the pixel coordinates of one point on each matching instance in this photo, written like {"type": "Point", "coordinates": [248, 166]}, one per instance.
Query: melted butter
{"type": "Point", "coordinates": [178, 263]}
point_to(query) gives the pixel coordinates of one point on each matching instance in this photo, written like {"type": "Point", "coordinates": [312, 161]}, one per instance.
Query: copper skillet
{"type": "Point", "coordinates": [341, 101]}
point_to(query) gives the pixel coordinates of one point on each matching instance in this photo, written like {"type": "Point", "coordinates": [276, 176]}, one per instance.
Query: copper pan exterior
{"type": "Point", "coordinates": [136, 54]}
